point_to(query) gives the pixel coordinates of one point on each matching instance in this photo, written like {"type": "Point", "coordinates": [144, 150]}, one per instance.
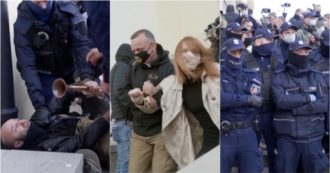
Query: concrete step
{"type": "Point", "coordinates": [18, 161]}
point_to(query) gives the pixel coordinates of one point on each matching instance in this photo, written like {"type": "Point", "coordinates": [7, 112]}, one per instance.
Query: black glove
{"type": "Point", "coordinates": [42, 117]}
{"type": "Point", "coordinates": [255, 100]}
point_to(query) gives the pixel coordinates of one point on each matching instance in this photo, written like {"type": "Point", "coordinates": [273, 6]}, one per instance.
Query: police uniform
{"type": "Point", "coordinates": [281, 49]}
{"type": "Point", "coordinates": [50, 48]}
{"type": "Point", "coordinates": [320, 61]}
{"type": "Point", "coordinates": [299, 94]}
{"type": "Point", "coordinates": [259, 61]}
{"type": "Point", "coordinates": [238, 137]}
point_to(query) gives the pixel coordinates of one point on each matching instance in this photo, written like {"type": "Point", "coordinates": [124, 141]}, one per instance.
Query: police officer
{"type": "Point", "coordinates": [320, 60]}
{"type": "Point", "coordinates": [259, 60]}
{"type": "Point", "coordinates": [300, 96]}
{"type": "Point", "coordinates": [233, 30]}
{"type": "Point", "coordinates": [51, 41]}
{"type": "Point", "coordinates": [240, 99]}
{"type": "Point", "coordinates": [280, 54]}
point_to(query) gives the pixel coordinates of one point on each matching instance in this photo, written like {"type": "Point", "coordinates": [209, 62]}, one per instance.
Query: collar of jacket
{"type": "Point", "coordinates": [296, 71]}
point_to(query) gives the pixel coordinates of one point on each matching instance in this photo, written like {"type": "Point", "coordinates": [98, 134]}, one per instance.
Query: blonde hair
{"type": "Point", "coordinates": [207, 61]}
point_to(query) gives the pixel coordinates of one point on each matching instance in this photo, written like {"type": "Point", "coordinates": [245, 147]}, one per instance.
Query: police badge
{"type": "Point", "coordinates": [255, 89]}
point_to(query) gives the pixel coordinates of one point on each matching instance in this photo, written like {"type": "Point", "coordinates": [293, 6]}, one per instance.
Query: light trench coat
{"type": "Point", "coordinates": [182, 132]}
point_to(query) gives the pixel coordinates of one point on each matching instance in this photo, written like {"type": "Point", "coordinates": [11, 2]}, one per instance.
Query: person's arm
{"type": "Point", "coordinates": [80, 43]}
{"type": "Point", "coordinates": [88, 137]}
{"type": "Point", "coordinates": [287, 99]}
{"type": "Point", "coordinates": [99, 28]}
{"type": "Point", "coordinates": [26, 65]}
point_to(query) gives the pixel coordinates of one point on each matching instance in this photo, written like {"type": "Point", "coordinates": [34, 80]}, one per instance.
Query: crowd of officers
{"type": "Point", "coordinates": [275, 87]}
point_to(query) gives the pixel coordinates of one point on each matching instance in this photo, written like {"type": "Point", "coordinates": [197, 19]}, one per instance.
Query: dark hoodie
{"type": "Point", "coordinates": [118, 79]}
{"type": "Point", "coordinates": [147, 124]}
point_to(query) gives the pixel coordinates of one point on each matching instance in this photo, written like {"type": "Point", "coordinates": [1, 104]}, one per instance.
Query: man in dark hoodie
{"type": "Point", "coordinates": [147, 150]}
{"type": "Point", "coordinates": [121, 115]}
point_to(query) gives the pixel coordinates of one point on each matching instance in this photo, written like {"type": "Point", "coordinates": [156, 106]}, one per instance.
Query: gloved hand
{"type": "Point", "coordinates": [312, 97]}
{"type": "Point", "coordinates": [255, 100]}
{"type": "Point", "coordinates": [42, 117]}
{"type": "Point", "coordinates": [136, 96]}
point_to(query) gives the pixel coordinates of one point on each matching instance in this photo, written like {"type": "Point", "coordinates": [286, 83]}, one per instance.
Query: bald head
{"type": "Point", "coordinates": [14, 131]}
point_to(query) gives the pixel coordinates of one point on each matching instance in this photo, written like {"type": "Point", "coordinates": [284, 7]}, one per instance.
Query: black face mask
{"type": "Point", "coordinates": [324, 50]}
{"type": "Point", "coordinates": [248, 42]}
{"type": "Point", "coordinates": [233, 35]}
{"type": "Point", "coordinates": [300, 61]}
{"type": "Point", "coordinates": [263, 50]}
{"type": "Point", "coordinates": [233, 62]}
{"type": "Point", "coordinates": [141, 57]}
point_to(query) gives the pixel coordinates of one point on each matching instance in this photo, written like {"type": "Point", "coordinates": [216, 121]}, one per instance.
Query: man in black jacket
{"type": "Point", "coordinates": [59, 136]}
{"type": "Point", "coordinates": [147, 151]}
{"type": "Point", "coordinates": [121, 115]}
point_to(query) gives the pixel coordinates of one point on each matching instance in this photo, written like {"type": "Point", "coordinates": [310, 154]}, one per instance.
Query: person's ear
{"type": "Point", "coordinates": [18, 144]}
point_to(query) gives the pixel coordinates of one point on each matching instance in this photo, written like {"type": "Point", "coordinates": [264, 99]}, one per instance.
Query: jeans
{"type": "Point", "coordinates": [121, 133]}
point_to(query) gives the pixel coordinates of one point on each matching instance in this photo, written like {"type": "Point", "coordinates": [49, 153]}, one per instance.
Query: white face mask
{"type": "Point", "coordinates": [312, 22]}
{"type": "Point", "coordinates": [289, 38]}
{"type": "Point", "coordinates": [191, 60]}
{"type": "Point", "coordinates": [245, 12]}
{"type": "Point", "coordinates": [319, 31]}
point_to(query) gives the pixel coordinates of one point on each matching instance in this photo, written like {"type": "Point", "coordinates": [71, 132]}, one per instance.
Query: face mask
{"type": "Point", "coordinates": [300, 61]}
{"type": "Point", "coordinates": [42, 14]}
{"type": "Point", "coordinates": [312, 22]}
{"type": "Point", "coordinates": [324, 50]}
{"type": "Point", "coordinates": [263, 50]}
{"type": "Point", "coordinates": [289, 38]}
{"type": "Point", "coordinates": [233, 35]}
{"type": "Point", "coordinates": [191, 60]}
{"type": "Point", "coordinates": [141, 57]}
{"type": "Point", "coordinates": [319, 31]}
{"type": "Point", "coordinates": [232, 62]}
{"type": "Point", "coordinates": [248, 41]}
{"type": "Point", "coordinates": [245, 13]}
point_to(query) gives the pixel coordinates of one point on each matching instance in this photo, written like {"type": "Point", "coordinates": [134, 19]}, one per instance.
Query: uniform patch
{"type": "Point", "coordinates": [255, 89]}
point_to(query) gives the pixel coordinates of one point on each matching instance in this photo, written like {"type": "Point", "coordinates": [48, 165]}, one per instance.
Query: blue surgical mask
{"type": "Point", "coordinates": [42, 14]}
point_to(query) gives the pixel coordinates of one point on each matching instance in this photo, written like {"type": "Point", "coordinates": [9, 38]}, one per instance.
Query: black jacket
{"type": "Point", "coordinates": [61, 135]}
{"type": "Point", "coordinates": [147, 124]}
{"type": "Point", "coordinates": [118, 79]}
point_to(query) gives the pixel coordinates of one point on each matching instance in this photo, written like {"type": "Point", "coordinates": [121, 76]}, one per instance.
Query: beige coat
{"type": "Point", "coordinates": [182, 132]}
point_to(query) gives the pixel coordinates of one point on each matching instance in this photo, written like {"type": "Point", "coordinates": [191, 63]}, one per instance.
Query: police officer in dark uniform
{"type": "Point", "coordinates": [233, 30]}
{"type": "Point", "coordinates": [259, 60]}
{"type": "Point", "coordinates": [320, 61]}
{"type": "Point", "coordinates": [51, 41]}
{"type": "Point", "coordinates": [280, 54]}
{"type": "Point", "coordinates": [240, 100]}
{"type": "Point", "coordinates": [300, 96]}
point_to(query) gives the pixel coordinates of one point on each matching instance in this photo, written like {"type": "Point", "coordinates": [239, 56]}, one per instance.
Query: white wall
{"type": "Point", "coordinates": [169, 21]}
{"type": "Point", "coordinates": [22, 100]}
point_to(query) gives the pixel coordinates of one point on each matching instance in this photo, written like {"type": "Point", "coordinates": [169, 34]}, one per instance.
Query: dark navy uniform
{"type": "Point", "coordinates": [48, 48]}
{"type": "Point", "coordinates": [320, 61]}
{"type": "Point", "coordinates": [238, 113]}
{"type": "Point", "coordinates": [280, 53]}
{"type": "Point", "coordinates": [259, 60]}
{"type": "Point", "coordinates": [300, 96]}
